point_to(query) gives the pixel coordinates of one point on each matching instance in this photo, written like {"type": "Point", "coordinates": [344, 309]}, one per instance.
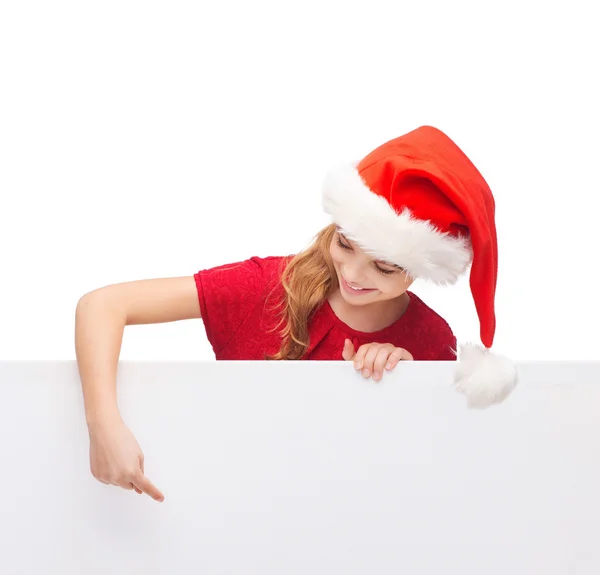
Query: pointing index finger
{"type": "Point", "coordinates": [146, 486]}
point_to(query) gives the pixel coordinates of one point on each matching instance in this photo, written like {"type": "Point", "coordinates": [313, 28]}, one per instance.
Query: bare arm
{"type": "Point", "coordinates": [101, 317]}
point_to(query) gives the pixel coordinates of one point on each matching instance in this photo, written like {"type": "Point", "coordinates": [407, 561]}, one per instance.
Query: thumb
{"type": "Point", "coordinates": [348, 351]}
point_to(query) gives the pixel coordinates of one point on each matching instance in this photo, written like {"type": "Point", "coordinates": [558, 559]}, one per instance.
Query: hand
{"type": "Point", "coordinates": [373, 357]}
{"type": "Point", "coordinates": [116, 458]}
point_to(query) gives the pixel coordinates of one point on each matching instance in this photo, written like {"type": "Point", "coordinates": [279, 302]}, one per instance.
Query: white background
{"type": "Point", "coordinates": [155, 139]}
{"type": "Point", "coordinates": [304, 467]}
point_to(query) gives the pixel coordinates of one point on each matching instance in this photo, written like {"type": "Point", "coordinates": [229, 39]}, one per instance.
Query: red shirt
{"type": "Point", "coordinates": [237, 317]}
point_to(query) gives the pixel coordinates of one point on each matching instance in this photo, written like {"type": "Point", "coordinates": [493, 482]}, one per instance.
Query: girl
{"type": "Point", "coordinates": [416, 207]}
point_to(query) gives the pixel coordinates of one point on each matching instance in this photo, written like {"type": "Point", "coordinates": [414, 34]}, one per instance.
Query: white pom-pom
{"type": "Point", "coordinates": [485, 378]}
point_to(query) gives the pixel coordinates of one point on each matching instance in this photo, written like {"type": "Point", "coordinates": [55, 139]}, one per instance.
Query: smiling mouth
{"type": "Point", "coordinates": [356, 290]}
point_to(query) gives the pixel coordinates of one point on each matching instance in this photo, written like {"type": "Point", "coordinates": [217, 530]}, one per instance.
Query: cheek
{"type": "Point", "coordinates": [392, 287]}
{"type": "Point", "coordinates": [335, 255]}
{"type": "Point", "coordinates": [332, 254]}
{"type": "Point", "coordinates": [386, 286]}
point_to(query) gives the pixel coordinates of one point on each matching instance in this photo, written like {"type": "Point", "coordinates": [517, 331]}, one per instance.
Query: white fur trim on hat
{"type": "Point", "coordinates": [369, 220]}
{"type": "Point", "coordinates": [485, 378]}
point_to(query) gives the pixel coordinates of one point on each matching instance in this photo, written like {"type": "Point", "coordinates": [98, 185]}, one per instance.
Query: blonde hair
{"type": "Point", "coordinates": [308, 280]}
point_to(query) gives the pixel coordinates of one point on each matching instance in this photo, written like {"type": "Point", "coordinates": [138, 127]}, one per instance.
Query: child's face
{"type": "Point", "coordinates": [380, 280]}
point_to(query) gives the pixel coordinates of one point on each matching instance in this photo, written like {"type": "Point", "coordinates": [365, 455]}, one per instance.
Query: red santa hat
{"type": "Point", "coordinates": [419, 202]}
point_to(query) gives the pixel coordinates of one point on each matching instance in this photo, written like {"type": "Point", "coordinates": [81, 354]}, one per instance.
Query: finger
{"type": "Point", "coordinates": [348, 351]}
{"type": "Point", "coordinates": [406, 355]}
{"type": "Point", "coordinates": [359, 358]}
{"type": "Point", "coordinates": [397, 355]}
{"type": "Point", "coordinates": [141, 463]}
{"type": "Point", "coordinates": [370, 360]}
{"type": "Point", "coordinates": [380, 361]}
{"type": "Point", "coordinates": [143, 483]}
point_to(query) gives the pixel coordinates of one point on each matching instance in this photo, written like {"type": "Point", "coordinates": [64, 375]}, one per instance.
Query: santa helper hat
{"type": "Point", "coordinates": [419, 202]}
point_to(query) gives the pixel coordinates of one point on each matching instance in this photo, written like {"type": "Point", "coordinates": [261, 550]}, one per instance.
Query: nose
{"type": "Point", "coordinates": [354, 269]}
{"type": "Point", "coordinates": [353, 277]}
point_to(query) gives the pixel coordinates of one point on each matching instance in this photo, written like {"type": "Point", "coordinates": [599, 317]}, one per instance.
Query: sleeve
{"type": "Point", "coordinates": [227, 294]}
{"type": "Point", "coordinates": [448, 351]}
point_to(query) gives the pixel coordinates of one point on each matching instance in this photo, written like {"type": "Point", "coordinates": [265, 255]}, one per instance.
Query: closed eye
{"type": "Point", "coordinates": [381, 270]}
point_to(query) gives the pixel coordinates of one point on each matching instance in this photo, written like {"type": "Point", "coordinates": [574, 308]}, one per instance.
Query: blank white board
{"type": "Point", "coordinates": [305, 467]}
